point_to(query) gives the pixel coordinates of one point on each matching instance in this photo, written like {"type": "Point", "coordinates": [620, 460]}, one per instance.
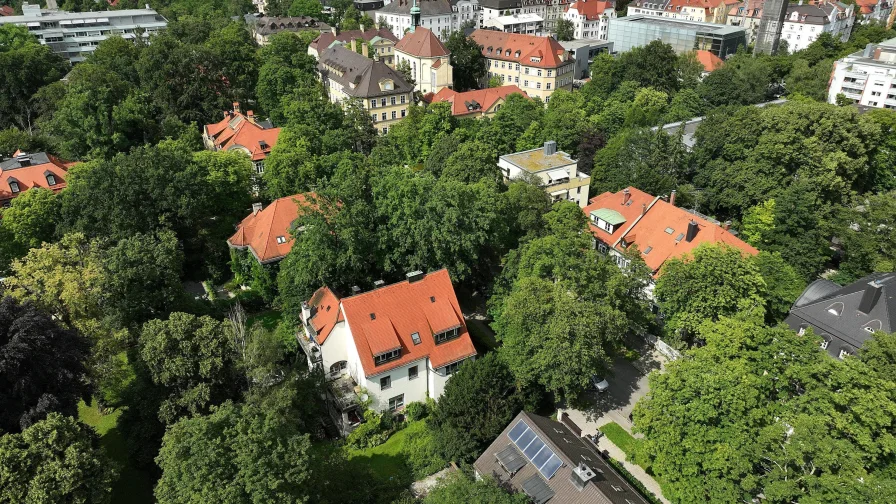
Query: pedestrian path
{"type": "Point", "coordinates": [640, 474]}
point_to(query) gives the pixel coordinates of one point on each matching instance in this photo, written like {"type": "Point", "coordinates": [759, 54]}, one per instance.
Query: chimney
{"type": "Point", "coordinates": [379, 283]}
{"type": "Point", "coordinates": [333, 29]}
{"type": "Point", "coordinates": [354, 46]}
{"type": "Point", "coordinates": [355, 290]}
{"type": "Point", "coordinates": [870, 297]}
{"type": "Point", "coordinates": [364, 50]}
{"type": "Point", "coordinates": [256, 207]}
{"type": "Point", "coordinates": [692, 231]}
{"type": "Point", "coordinates": [550, 147]}
{"type": "Point", "coordinates": [672, 197]}
{"type": "Point", "coordinates": [626, 195]}
{"type": "Point", "coordinates": [581, 475]}
{"type": "Point", "coordinates": [643, 208]}
{"type": "Point", "coordinates": [415, 276]}
{"type": "Point", "coordinates": [23, 158]}
{"type": "Point", "coordinates": [250, 114]}
{"type": "Point", "coordinates": [236, 107]}
{"type": "Point", "coordinates": [726, 225]}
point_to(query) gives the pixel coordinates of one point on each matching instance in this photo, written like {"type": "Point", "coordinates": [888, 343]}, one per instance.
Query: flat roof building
{"type": "Point", "coordinates": [74, 35]}
{"type": "Point", "coordinates": [528, 24]}
{"type": "Point", "coordinates": [684, 36]}
{"type": "Point", "coordinates": [558, 172]}
{"type": "Point", "coordinates": [867, 77]}
{"type": "Point", "coordinates": [584, 51]}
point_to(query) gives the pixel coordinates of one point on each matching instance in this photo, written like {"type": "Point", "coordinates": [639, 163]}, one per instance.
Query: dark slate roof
{"type": "Point", "coordinates": [38, 158]}
{"type": "Point", "coordinates": [427, 7]}
{"type": "Point", "coordinates": [854, 320]}
{"type": "Point", "coordinates": [364, 73]}
{"type": "Point", "coordinates": [815, 15]}
{"type": "Point", "coordinates": [500, 4]}
{"type": "Point", "coordinates": [270, 25]}
{"type": "Point", "coordinates": [607, 487]}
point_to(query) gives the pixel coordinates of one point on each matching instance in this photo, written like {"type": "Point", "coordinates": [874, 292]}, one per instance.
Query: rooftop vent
{"type": "Point", "coordinates": [356, 289]}
{"type": "Point", "coordinates": [870, 297]}
{"type": "Point", "coordinates": [581, 475]}
{"type": "Point", "coordinates": [550, 148]}
{"type": "Point", "coordinates": [378, 283]}
{"type": "Point", "coordinates": [373, 316]}
{"type": "Point", "coordinates": [692, 231]}
{"type": "Point", "coordinates": [415, 276]}
{"type": "Point", "coordinates": [24, 159]}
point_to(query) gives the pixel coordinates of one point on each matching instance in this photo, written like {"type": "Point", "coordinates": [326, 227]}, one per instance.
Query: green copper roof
{"type": "Point", "coordinates": [605, 214]}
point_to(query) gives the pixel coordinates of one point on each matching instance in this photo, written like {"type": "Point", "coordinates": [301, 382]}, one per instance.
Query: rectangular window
{"type": "Point", "coordinates": [550, 73]}
{"type": "Point", "coordinates": [391, 355]}
{"type": "Point", "coordinates": [525, 83]}
{"type": "Point", "coordinates": [450, 334]}
{"type": "Point", "coordinates": [392, 100]}
{"type": "Point", "coordinates": [385, 382]}
{"type": "Point", "coordinates": [548, 86]}
{"type": "Point", "coordinates": [382, 102]}
{"type": "Point", "coordinates": [372, 103]}
{"type": "Point", "coordinates": [539, 73]}
{"type": "Point", "coordinates": [394, 114]}
{"type": "Point", "coordinates": [516, 80]}
{"type": "Point", "coordinates": [526, 71]}
{"type": "Point", "coordinates": [403, 112]}
{"type": "Point", "coordinates": [396, 402]}
{"type": "Point", "coordinates": [450, 369]}
{"type": "Point", "coordinates": [373, 117]}
{"type": "Point", "coordinates": [384, 116]}
{"type": "Point", "coordinates": [537, 85]}
{"type": "Point", "coordinates": [412, 372]}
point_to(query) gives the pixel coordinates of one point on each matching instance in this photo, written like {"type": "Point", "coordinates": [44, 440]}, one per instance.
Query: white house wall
{"type": "Point", "coordinates": [413, 390]}
{"type": "Point", "coordinates": [355, 369]}
{"type": "Point", "coordinates": [335, 348]}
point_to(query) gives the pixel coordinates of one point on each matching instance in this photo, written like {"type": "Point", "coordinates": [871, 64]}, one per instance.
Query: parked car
{"type": "Point", "coordinates": [601, 384]}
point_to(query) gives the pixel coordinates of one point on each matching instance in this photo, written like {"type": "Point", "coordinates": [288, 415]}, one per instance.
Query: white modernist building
{"type": "Point", "coordinates": [590, 20]}
{"type": "Point", "coordinates": [73, 35]}
{"type": "Point", "coordinates": [558, 172]}
{"type": "Point", "coordinates": [390, 346]}
{"type": "Point", "coordinates": [867, 77]}
{"type": "Point", "coordinates": [527, 24]}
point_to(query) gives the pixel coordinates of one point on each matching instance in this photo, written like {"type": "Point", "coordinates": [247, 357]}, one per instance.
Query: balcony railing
{"type": "Point", "coordinates": [308, 346]}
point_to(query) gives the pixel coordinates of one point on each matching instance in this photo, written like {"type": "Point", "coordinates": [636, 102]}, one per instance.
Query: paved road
{"type": "Point", "coordinates": [628, 384]}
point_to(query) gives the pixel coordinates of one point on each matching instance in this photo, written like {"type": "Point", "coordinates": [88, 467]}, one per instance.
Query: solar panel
{"type": "Point", "coordinates": [542, 457]}
{"type": "Point", "coordinates": [511, 459]}
{"type": "Point", "coordinates": [537, 490]}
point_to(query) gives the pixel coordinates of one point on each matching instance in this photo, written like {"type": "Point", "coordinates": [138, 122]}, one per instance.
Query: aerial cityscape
{"type": "Point", "coordinates": [447, 251]}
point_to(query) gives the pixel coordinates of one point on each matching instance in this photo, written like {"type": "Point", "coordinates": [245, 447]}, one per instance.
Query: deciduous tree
{"type": "Point", "coordinates": [466, 60]}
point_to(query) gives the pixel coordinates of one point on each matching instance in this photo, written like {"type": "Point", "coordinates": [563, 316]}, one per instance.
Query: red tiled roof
{"type": "Point", "coordinates": [423, 43]}
{"type": "Point", "coordinates": [652, 229]}
{"type": "Point", "coordinates": [326, 313]}
{"type": "Point", "coordinates": [591, 10]}
{"type": "Point", "coordinates": [384, 319]}
{"type": "Point", "coordinates": [709, 60]}
{"type": "Point", "coordinates": [6, 10]}
{"type": "Point", "coordinates": [866, 6]}
{"type": "Point", "coordinates": [260, 230]}
{"type": "Point", "coordinates": [486, 98]}
{"type": "Point", "coordinates": [33, 174]}
{"type": "Point", "coordinates": [548, 52]}
{"type": "Point", "coordinates": [238, 130]}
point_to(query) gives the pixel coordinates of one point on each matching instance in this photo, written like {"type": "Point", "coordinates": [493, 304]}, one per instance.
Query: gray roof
{"type": "Point", "coordinates": [427, 7]}
{"type": "Point", "coordinates": [60, 15]}
{"type": "Point", "coordinates": [38, 158]}
{"type": "Point", "coordinates": [500, 4]}
{"type": "Point", "coordinates": [607, 487]}
{"type": "Point", "coordinates": [846, 316]}
{"type": "Point", "coordinates": [815, 15]}
{"type": "Point", "coordinates": [270, 25]}
{"type": "Point", "coordinates": [360, 76]}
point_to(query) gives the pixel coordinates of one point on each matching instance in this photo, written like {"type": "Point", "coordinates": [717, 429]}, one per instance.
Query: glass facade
{"type": "Point", "coordinates": [639, 30]}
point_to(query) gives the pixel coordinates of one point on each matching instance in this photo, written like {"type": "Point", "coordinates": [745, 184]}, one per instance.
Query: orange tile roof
{"type": "Point", "coordinates": [6, 10]}
{"type": "Point", "coordinates": [866, 6]}
{"type": "Point", "coordinates": [384, 319]}
{"type": "Point", "coordinates": [591, 10]}
{"type": "Point", "coordinates": [709, 60]}
{"type": "Point", "coordinates": [260, 230]}
{"type": "Point", "coordinates": [423, 43]}
{"type": "Point", "coordinates": [655, 224]}
{"type": "Point", "coordinates": [486, 98]}
{"type": "Point", "coordinates": [242, 131]}
{"type": "Point", "coordinates": [32, 173]}
{"type": "Point", "coordinates": [496, 44]}
{"type": "Point", "coordinates": [327, 313]}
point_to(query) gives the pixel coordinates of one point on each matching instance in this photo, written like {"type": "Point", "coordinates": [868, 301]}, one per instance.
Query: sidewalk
{"type": "Point", "coordinates": [647, 480]}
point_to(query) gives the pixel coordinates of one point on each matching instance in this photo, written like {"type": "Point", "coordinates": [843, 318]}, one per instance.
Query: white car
{"type": "Point", "coordinates": [601, 384]}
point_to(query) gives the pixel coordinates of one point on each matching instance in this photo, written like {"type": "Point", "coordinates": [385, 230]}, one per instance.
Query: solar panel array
{"type": "Point", "coordinates": [543, 458]}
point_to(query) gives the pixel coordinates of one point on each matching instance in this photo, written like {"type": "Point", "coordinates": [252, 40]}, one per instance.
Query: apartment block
{"type": "Point", "coordinates": [558, 171]}
{"type": "Point", "coordinates": [867, 77]}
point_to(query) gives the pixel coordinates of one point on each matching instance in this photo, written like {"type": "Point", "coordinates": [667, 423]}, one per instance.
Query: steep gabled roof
{"type": "Point", "coordinates": [384, 319]}
{"type": "Point", "coordinates": [528, 50]}
{"type": "Point", "coordinates": [244, 132]}
{"type": "Point", "coordinates": [658, 228]}
{"type": "Point", "coordinates": [266, 232]}
{"type": "Point", "coordinates": [324, 305]}
{"type": "Point", "coordinates": [360, 76]}
{"type": "Point", "coordinates": [591, 10]}
{"type": "Point", "coordinates": [325, 40]}
{"type": "Point", "coordinates": [466, 102]}
{"type": "Point", "coordinates": [709, 60]}
{"type": "Point", "coordinates": [30, 171]}
{"type": "Point", "coordinates": [422, 43]}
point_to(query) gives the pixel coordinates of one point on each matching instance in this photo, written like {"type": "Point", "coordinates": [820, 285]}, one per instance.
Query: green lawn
{"type": "Point", "coordinates": [385, 460]}
{"type": "Point", "coordinates": [269, 319]}
{"type": "Point", "coordinates": [621, 438]}
{"type": "Point", "coordinates": [133, 485]}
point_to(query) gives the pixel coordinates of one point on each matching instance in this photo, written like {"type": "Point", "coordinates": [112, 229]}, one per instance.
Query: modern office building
{"type": "Point", "coordinates": [867, 77]}
{"type": "Point", "coordinates": [74, 35]}
{"type": "Point", "coordinates": [684, 36]}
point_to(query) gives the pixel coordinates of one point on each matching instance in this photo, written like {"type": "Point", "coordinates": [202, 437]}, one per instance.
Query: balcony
{"type": "Point", "coordinates": [309, 346]}
{"type": "Point", "coordinates": [344, 404]}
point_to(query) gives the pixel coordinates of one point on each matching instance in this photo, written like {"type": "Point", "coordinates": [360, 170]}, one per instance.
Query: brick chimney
{"type": "Point", "coordinates": [333, 29]}
{"type": "Point", "coordinates": [672, 197]}
{"type": "Point", "coordinates": [250, 115]}
{"type": "Point", "coordinates": [626, 196]}
{"type": "Point", "coordinates": [236, 107]}
{"type": "Point", "coordinates": [364, 50]}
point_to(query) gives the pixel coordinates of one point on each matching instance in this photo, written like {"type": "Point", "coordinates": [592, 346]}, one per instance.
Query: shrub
{"type": "Point", "coordinates": [375, 430]}
{"type": "Point", "coordinates": [416, 411]}
{"type": "Point", "coordinates": [419, 449]}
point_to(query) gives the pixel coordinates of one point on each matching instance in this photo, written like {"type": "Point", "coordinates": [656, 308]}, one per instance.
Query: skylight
{"type": "Point", "coordinates": [669, 230]}
{"type": "Point", "coordinates": [416, 338]}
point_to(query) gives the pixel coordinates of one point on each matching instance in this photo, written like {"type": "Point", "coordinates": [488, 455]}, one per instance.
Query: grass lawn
{"type": "Point", "coordinates": [133, 485]}
{"type": "Point", "coordinates": [621, 438]}
{"type": "Point", "coordinates": [269, 319]}
{"type": "Point", "coordinates": [385, 460]}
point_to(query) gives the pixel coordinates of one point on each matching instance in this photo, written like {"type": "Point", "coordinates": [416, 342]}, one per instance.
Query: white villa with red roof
{"type": "Point", "coordinates": [660, 230]}
{"type": "Point", "coordinates": [428, 59]}
{"type": "Point", "coordinates": [399, 343]}
{"type": "Point", "coordinates": [244, 133]}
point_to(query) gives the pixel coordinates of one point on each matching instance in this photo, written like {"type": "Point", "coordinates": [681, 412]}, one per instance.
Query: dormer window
{"type": "Point", "coordinates": [448, 335]}
{"type": "Point", "coordinates": [51, 179]}
{"type": "Point", "coordinates": [386, 357]}
{"type": "Point", "coordinates": [14, 186]}
{"type": "Point", "coordinates": [281, 240]}
{"type": "Point", "coordinates": [836, 309]}
{"type": "Point", "coordinates": [516, 54]}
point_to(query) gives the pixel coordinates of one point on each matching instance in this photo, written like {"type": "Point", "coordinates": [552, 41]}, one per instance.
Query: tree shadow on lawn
{"type": "Point", "coordinates": [391, 474]}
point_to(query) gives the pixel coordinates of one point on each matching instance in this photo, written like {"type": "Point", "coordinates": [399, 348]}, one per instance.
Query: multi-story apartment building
{"type": "Point", "coordinates": [379, 42]}
{"type": "Point", "coordinates": [704, 11]}
{"type": "Point", "coordinates": [684, 36]}
{"type": "Point", "coordinates": [558, 171]}
{"type": "Point", "coordinates": [428, 59]}
{"type": "Point", "coordinates": [746, 15]}
{"type": "Point", "coordinates": [867, 77]}
{"type": "Point", "coordinates": [528, 24]}
{"type": "Point", "coordinates": [496, 8]}
{"type": "Point", "coordinates": [799, 27]}
{"type": "Point", "coordinates": [437, 15]}
{"type": "Point", "coordinates": [550, 10]}
{"type": "Point", "coordinates": [591, 20]}
{"type": "Point", "coordinates": [396, 344]}
{"type": "Point", "coordinates": [74, 35]}
{"type": "Point", "coordinates": [382, 91]}
{"type": "Point", "coordinates": [538, 65]}
{"type": "Point", "coordinates": [875, 11]}
{"type": "Point", "coordinates": [584, 51]}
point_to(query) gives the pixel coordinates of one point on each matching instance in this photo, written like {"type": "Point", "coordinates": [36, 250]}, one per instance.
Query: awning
{"type": "Point", "coordinates": [102, 20]}
{"type": "Point", "coordinates": [33, 24]}
{"type": "Point", "coordinates": [558, 193]}
{"type": "Point", "coordinates": [558, 174]}
{"type": "Point", "coordinates": [66, 22]}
